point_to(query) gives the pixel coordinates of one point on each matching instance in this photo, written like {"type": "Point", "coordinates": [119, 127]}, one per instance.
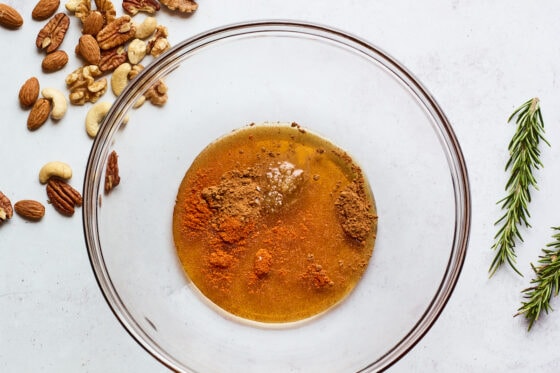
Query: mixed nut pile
{"type": "Point", "coordinates": [112, 49]}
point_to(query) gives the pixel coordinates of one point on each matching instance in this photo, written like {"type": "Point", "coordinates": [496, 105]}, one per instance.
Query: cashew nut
{"type": "Point", "coordinates": [146, 28]}
{"type": "Point", "coordinates": [139, 102]}
{"type": "Point", "coordinates": [56, 168]}
{"type": "Point", "coordinates": [59, 104]}
{"type": "Point", "coordinates": [95, 116]}
{"type": "Point", "coordinates": [119, 79]}
{"type": "Point", "coordinates": [136, 51]}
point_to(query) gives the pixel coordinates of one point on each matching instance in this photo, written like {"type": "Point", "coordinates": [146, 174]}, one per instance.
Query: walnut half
{"type": "Point", "coordinates": [83, 86]}
{"type": "Point", "coordinates": [183, 6]}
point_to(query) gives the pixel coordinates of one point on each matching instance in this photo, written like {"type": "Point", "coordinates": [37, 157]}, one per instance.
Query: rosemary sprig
{"type": "Point", "coordinates": [546, 282]}
{"type": "Point", "coordinates": [524, 157]}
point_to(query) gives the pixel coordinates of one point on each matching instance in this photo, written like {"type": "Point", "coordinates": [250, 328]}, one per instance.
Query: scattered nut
{"type": "Point", "coordinates": [158, 43]}
{"type": "Point", "coordinates": [29, 92]}
{"type": "Point", "coordinates": [107, 10]}
{"type": "Point", "coordinates": [83, 86]}
{"type": "Point", "coordinates": [39, 114]}
{"type": "Point", "coordinates": [136, 51]}
{"type": "Point", "coordinates": [95, 116]}
{"type": "Point", "coordinates": [81, 9]}
{"type": "Point", "coordinates": [135, 71]}
{"type": "Point", "coordinates": [9, 17]}
{"type": "Point", "coordinates": [119, 79]}
{"type": "Point", "coordinates": [157, 94]}
{"type": "Point", "coordinates": [59, 104]}
{"type": "Point", "coordinates": [93, 23]}
{"type": "Point", "coordinates": [131, 75]}
{"type": "Point", "coordinates": [139, 102]}
{"type": "Point", "coordinates": [51, 36]}
{"type": "Point", "coordinates": [116, 33]}
{"type": "Point", "coordinates": [183, 6]}
{"type": "Point", "coordinates": [89, 49]}
{"type": "Point", "coordinates": [160, 46]}
{"type": "Point", "coordinates": [63, 197]}
{"type": "Point", "coordinates": [44, 9]}
{"type": "Point", "coordinates": [112, 58]}
{"type": "Point", "coordinates": [112, 178]}
{"type": "Point", "coordinates": [30, 209]}
{"type": "Point", "coordinates": [135, 6]}
{"type": "Point", "coordinates": [71, 5]}
{"type": "Point", "coordinates": [54, 61]}
{"type": "Point", "coordinates": [146, 28]}
{"type": "Point", "coordinates": [54, 169]}
{"type": "Point", "coordinates": [6, 210]}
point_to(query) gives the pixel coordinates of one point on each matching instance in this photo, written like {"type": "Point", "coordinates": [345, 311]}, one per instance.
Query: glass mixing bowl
{"type": "Point", "coordinates": [336, 85]}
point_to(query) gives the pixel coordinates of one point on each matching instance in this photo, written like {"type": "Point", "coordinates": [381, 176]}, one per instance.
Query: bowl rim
{"type": "Point", "coordinates": [163, 65]}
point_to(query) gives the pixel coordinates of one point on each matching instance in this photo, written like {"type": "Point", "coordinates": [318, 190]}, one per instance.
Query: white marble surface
{"type": "Point", "coordinates": [479, 59]}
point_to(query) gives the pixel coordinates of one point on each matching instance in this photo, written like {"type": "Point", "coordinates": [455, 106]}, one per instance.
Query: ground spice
{"type": "Point", "coordinates": [263, 262]}
{"type": "Point", "coordinates": [317, 277]}
{"type": "Point", "coordinates": [354, 211]}
{"type": "Point", "coordinates": [276, 229]}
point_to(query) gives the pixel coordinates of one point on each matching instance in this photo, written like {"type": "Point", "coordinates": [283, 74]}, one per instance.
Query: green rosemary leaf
{"type": "Point", "coordinates": [524, 159]}
{"type": "Point", "coordinates": [545, 284]}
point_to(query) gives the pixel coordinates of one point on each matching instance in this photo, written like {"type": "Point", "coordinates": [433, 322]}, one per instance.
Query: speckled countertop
{"type": "Point", "coordinates": [479, 59]}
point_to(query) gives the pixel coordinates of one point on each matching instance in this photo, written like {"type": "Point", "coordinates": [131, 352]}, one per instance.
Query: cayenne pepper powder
{"type": "Point", "coordinates": [274, 224]}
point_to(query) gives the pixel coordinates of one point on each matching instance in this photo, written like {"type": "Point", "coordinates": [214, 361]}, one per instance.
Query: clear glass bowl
{"type": "Point", "coordinates": [335, 85]}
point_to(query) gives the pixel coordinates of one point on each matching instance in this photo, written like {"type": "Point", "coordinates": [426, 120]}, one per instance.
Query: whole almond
{"type": "Point", "coordinates": [54, 61]}
{"type": "Point", "coordinates": [93, 23]}
{"type": "Point", "coordinates": [29, 92]}
{"type": "Point", "coordinates": [9, 17]}
{"type": "Point", "coordinates": [39, 114]}
{"type": "Point", "coordinates": [89, 49]}
{"type": "Point", "coordinates": [44, 9]}
{"type": "Point", "coordinates": [30, 209]}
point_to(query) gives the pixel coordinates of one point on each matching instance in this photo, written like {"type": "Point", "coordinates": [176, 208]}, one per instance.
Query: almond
{"type": "Point", "coordinates": [30, 209]}
{"type": "Point", "coordinates": [44, 9]}
{"type": "Point", "coordinates": [93, 23]}
{"type": "Point", "coordinates": [9, 17]}
{"type": "Point", "coordinates": [29, 92]}
{"type": "Point", "coordinates": [54, 61]}
{"type": "Point", "coordinates": [89, 49]}
{"type": "Point", "coordinates": [38, 114]}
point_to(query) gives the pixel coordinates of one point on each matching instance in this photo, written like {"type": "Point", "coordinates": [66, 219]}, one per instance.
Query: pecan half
{"type": "Point", "coordinates": [6, 210]}
{"type": "Point", "coordinates": [135, 6]}
{"type": "Point", "coordinates": [183, 6]}
{"type": "Point", "coordinates": [112, 178]}
{"type": "Point", "coordinates": [51, 36]}
{"type": "Point", "coordinates": [116, 33]}
{"type": "Point", "coordinates": [63, 197]}
{"type": "Point", "coordinates": [112, 58]}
